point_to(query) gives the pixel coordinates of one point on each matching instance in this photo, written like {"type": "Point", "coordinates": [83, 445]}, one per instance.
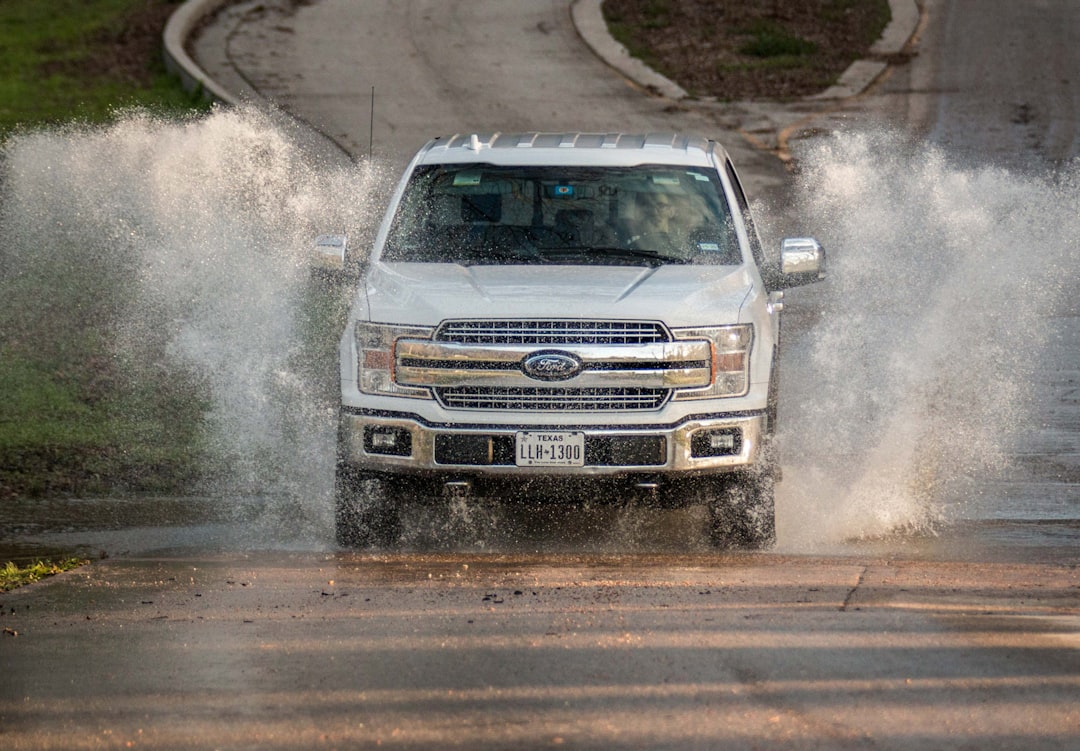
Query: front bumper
{"type": "Point", "coordinates": [403, 444]}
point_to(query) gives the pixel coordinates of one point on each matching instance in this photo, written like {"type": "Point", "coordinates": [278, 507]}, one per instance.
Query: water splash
{"type": "Point", "coordinates": [204, 225]}
{"type": "Point", "coordinates": [916, 381]}
{"type": "Point", "coordinates": [910, 387]}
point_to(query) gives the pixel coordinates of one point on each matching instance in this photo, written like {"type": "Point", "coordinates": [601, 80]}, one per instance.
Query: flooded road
{"type": "Point", "coordinates": [924, 591]}
{"type": "Point", "coordinates": [168, 527]}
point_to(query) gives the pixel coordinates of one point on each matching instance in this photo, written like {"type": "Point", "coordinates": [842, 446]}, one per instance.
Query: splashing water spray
{"type": "Point", "coordinates": [206, 225]}
{"type": "Point", "coordinates": [919, 379]}
{"type": "Point", "coordinates": [908, 389]}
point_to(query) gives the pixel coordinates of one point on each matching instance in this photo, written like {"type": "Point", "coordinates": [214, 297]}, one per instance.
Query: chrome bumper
{"type": "Point", "coordinates": [678, 447]}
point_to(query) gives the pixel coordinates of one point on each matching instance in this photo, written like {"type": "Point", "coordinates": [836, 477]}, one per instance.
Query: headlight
{"type": "Point", "coordinates": [730, 360]}
{"type": "Point", "coordinates": [375, 359]}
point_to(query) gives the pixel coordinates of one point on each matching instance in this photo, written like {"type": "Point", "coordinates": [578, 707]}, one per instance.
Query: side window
{"type": "Point", "coordinates": [748, 219]}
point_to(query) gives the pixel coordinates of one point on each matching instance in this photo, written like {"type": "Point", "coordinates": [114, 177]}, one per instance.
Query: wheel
{"type": "Point", "coordinates": [742, 510]}
{"type": "Point", "coordinates": [367, 509]}
{"type": "Point", "coordinates": [773, 404]}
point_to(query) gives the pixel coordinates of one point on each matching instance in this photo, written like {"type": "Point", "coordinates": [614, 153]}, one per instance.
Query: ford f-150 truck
{"type": "Point", "coordinates": [564, 315]}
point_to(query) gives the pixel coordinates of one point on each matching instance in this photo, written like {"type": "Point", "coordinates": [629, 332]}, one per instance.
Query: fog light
{"type": "Point", "coordinates": [382, 440]}
{"type": "Point", "coordinates": [723, 442]}
{"type": "Point", "coordinates": [392, 441]}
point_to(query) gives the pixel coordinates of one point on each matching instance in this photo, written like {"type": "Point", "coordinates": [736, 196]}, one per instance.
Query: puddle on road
{"type": "Point", "coordinates": [167, 527]}
{"type": "Point", "coordinates": [908, 375]}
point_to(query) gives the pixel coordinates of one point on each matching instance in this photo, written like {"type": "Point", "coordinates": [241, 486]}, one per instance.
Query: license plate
{"type": "Point", "coordinates": [550, 449]}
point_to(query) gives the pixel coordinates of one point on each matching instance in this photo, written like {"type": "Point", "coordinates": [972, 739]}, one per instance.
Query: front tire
{"type": "Point", "coordinates": [367, 509]}
{"type": "Point", "coordinates": [742, 512]}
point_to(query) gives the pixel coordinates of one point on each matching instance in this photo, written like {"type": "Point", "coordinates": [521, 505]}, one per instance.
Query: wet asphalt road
{"type": "Point", "coordinates": [966, 640]}
{"type": "Point", "coordinates": [536, 651]}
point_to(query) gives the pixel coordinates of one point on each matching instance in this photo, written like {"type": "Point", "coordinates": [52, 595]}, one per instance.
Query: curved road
{"type": "Point", "coordinates": [437, 67]}
{"type": "Point", "coordinates": [956, 643]}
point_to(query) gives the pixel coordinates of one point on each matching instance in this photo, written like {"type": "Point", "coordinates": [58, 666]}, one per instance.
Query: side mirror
{"type": "Point", "coordinates": [329, 253]}
{"type": "Point", "coordinates": [802, 261]}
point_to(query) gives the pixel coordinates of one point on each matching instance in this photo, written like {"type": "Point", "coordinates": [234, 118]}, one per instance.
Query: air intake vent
{"type": "Point", "coordinates": [552, 332]}
{"type": "Point", "coordinates": [552, 399]}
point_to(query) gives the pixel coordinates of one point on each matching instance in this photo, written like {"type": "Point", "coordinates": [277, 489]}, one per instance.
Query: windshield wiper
{"type": "Point", "coordinates": [489, 255]}
{"type": "Point", "coordinates": [589, 252]}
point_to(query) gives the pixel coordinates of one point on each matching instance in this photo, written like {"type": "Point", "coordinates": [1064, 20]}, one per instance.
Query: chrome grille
{"type": "Point", "coordinates": [552, 332]}
{"type": "Point", "coordinates": [553, 399]}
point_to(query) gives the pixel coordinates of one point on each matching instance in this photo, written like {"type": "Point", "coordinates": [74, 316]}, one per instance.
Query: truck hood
{"type": "Point", "coordinates": [424, 294]}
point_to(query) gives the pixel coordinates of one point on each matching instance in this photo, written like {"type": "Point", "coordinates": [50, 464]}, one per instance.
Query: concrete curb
{"type": "Point", "coordinates": [589, 21]}
{"type": "Point", "coordinates": [591, 27]}
{"type": "Point", "coordinates": [179, 27]}
{"type": "Point", "coordinates": [861, 73]}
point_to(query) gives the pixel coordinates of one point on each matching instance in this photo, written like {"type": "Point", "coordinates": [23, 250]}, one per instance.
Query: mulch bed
{"type": "Point", "coordinates": [748, 49]}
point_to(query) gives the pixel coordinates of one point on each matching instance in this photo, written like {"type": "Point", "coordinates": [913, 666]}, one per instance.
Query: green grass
{"type": "Point", "coordinates": [658, 14]}
{"type": "Point", "coordinates": [12, 575]}
{"type": "Point", "coordinates": [58, 437]}
{"type": "Point", "coordinates": [769, 39]}
{"type": "Point", "coordinates": [75, 418]}
{"type": "Point", "coordinates": [59, 62]}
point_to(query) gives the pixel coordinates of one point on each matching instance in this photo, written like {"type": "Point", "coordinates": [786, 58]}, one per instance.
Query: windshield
{"type": "Point", "coordinates": [481, 214]}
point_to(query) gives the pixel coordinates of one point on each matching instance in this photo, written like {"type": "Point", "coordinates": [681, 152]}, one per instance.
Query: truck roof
{"type": "Point", "coordinates": [577, 149]}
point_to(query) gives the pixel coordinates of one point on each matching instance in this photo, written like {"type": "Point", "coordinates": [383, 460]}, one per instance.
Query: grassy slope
{"type": "Point", "coordinates": [63, 60]}
{"type": "Point", "coordinates": [73, 419]}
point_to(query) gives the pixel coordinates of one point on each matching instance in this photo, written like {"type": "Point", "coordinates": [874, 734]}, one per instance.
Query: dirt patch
{"type": "Point", "coordinates": [748, 49]}
{"type": "Point", "coordinates": [127, 52]}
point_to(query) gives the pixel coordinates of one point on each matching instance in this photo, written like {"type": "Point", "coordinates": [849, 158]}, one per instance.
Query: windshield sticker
{"type": "Point", "coordinates": [699, 177]}
{"type": "Point", "coordinates": [466, 178]}
{"type": "Point", "coordinates": [564, 191]}
{"type": "Point", "coordinates": [665, 179]}
{"type": "Point", "coordinates": [709, 247]}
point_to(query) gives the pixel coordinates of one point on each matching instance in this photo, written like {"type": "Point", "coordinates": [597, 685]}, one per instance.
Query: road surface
{"type": "Point", "coordinates": [500, 652]}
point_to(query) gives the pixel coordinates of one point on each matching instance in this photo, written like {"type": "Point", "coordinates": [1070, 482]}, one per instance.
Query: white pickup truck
{"type": "Point", "coordinates": [559, 316]}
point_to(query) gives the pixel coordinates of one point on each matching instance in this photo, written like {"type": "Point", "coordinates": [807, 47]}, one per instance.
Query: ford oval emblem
{"type": "Point", "coordinates": [551, 366]}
